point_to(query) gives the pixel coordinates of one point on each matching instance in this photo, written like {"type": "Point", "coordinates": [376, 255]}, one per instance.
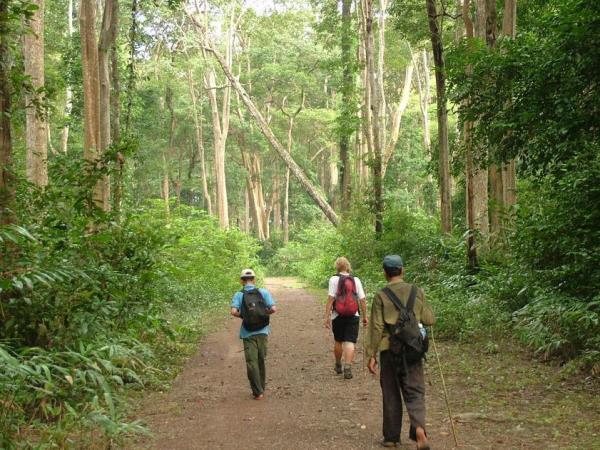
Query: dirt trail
{"type": "Point", "coordinates": [307, 405]}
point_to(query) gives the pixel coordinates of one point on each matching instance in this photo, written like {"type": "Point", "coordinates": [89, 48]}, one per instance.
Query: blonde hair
{"type": "Point", "coordinates": [343, 265]}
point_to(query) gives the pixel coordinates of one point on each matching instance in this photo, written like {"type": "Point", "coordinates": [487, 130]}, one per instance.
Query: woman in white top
{"type": "Point", "coordinates": [345, 325]}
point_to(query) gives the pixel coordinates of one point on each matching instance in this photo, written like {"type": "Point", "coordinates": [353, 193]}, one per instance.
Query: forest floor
{"type": "Point", "coordinates": [500, 400]}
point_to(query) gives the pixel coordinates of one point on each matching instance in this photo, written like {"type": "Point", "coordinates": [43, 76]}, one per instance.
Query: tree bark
{"type": "Point", "coordinates": [108, 36]}
{"type": "Point", "coordinates": [35, 117]}
{"type": "Point", "coordinates": [377, 126]}
{"type": "Point", "coordinates": [199, 142]}
{"type": "Point", "coordinates": [509, 172]}
{"type": "Point", "coordinates": [480, 175]}
{"type": "Point", "coordinates": [442, 116]}
{"type": "Point", "coordinates": [64, 135]}
{"type": "Point", "coordinates": [7, 182]}
{"type": "Point", "coordinates": [115, 124]}
{"type": "Point", "coordinates": [347, 105]}
{"type": "Point", "coordinates": [91, 96]}
{"type": "Point", "coordinates": [268, 133]}
{"type": "Point", "coordinates": [397, 114]}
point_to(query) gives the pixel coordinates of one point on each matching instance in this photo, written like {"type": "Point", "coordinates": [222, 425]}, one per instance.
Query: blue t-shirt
{"type": "Point", "coordinates": [236, 302]}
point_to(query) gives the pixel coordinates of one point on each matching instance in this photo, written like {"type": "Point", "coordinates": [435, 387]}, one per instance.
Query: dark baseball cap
{"type": "Point", "coordinates": [392, 262]}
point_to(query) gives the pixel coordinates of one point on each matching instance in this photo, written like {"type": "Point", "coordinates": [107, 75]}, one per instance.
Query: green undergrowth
{"type": "Point", "coordinates": [93, 316]}
{"type": "Point", "coordinates": [506, 298]}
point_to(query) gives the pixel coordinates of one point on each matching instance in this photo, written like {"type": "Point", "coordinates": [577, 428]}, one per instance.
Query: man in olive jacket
{"type": "Point", "coordinates": [406, 381]}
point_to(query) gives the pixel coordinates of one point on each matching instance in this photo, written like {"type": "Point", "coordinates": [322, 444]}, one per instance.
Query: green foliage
{"type": "Point", "coordinates": [93, 305]}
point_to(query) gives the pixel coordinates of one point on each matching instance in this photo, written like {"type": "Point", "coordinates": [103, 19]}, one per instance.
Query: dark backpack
{"type": "Point", "coordinates": [346, 297]}
{"type": "Point", "coordinates": [254, 310]}
{"type": "Point", "coordinates": [407, 344]}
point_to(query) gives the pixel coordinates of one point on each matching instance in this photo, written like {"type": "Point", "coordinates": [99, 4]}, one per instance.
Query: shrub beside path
{"type": "Point", "coordinates": [501, 400]}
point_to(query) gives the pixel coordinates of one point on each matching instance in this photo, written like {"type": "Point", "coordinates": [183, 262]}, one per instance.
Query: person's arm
{"type": "Point", "coordinates": [271, 308]}
{"type": "Point", "coordinates": [363, 311]}
{"type": "Point", "coordinates": [328, 307]}
{"type": "Point", "coordinates": [362, 302]}
{"type": "Point", "coordinates": [375, 332]}
{"type": "Point", "coordinates": [427, 316]}
{"type": "Point", "coordinates": [236, 304]}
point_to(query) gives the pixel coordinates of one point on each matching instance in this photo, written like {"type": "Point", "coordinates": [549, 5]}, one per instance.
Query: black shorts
{"type": "Point", "coordinates": [345, 329]}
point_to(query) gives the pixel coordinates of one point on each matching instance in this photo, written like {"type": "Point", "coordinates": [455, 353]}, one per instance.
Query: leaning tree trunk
{"type": "Point", "coordinates": [35, 118]}
{"type": "Point", "coordinates": [268, 133]}
{"type": "Point", "coordinates": [91, 95]}
{"type": "Point", "coordinates": [442, 116]}
{"type": "Point", "coordinates": [7, 182]}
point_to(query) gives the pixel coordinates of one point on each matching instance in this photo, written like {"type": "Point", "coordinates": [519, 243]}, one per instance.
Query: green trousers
{"type": "Point", "coordinates": [255, 351]}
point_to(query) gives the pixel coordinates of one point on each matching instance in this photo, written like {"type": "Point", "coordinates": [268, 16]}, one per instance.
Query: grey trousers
{"type": "Point", "coordinates": [398, 383]}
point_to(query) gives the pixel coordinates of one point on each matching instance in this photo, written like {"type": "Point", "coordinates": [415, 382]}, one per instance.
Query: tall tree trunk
{"type": "Point", "coordinates": [480, 175]}
{"type": "Point", "coordinates": [494, 173]}
{"type": "Point", "coordinates": [108, 36]}
{"type": "Point", "coordinates": [35, 118]}
{"type": "Point", "coordinates": [7, 182]}
{"type": "Point", "coordinates": [347, 112]}
{"type": "Point", "coordinates": [277, 216]}
{"type": "Point", "coordinates": [199, 142]}
{"type": "Point", "coordinates": [220, 125]}
{"type": "Point", "coordinates": [64, 135]}
{"type": "Point", "coordinates": [509, 172]}
{"type": "Point", "coordinates": [472, 257]}
{"type": "Point", "coordinates": [168, 153]}
{"type": "Point", "coordinates": [91, 95]}
{"type": "Point", "coordinates": [437, 46]}
{"type": "Point", "coordinates": [397, 113]}
{"type": "Point", "coordinates": [115, 124]}
{"type": "Point", "coordinates": [268, 133]}
{"type": "Point", "coordinates": [378, 113]}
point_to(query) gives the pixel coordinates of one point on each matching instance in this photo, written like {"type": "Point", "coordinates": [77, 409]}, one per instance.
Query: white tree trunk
{"type": "Point", "coordinates": [64, 135]}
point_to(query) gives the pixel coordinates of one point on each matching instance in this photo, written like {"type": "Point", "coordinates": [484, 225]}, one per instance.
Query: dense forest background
{"type": "Point", "coordinates": [150, 150]}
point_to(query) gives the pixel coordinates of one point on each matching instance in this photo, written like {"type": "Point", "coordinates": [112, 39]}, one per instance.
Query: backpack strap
{"type": "Point", "coordinates": [394, 298]}
{"type": "Point", "coordinates": [410, 305]}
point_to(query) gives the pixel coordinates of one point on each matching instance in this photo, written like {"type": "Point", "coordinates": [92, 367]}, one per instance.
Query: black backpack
{"type": "Point", "coordinates": [407, 344]}
{"type": "Point", "coordinates": [254, 310]}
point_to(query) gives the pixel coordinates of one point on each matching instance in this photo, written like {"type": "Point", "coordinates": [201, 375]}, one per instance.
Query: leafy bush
{"type": "Point", "coordinates": [93, 305]}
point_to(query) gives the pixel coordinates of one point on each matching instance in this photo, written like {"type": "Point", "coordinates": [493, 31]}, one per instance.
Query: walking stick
{"type": "Point", "coordinates": [437, 357]}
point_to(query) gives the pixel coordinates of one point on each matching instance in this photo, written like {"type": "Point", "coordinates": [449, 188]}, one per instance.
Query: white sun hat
{"type": "Point", "coordinates": [247, 273]}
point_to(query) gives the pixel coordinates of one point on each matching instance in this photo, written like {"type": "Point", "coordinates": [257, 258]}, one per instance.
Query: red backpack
{"type": "Point", "coordinates": [346, 297]}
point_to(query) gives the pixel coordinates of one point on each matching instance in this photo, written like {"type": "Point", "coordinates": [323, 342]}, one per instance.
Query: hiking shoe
{"type": "Point", "coordinates": [259, 397]}
{"type": "Point", "coordinates": [347, 373]}
{"type": "Point", "coordinates": [388, 444]}
{"type": "Point", "coordinates": [338, 368]}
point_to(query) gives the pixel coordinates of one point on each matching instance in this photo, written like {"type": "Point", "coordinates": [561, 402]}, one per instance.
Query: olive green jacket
{"type": "Point", "coordinates": [383, 311]}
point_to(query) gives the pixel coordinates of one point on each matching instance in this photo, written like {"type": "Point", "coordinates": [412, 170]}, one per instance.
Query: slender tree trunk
{"type": "Point", "coordinates": [199, 142]}
{"type": "Point", "coordinates": [108, 36]}
{"type": "Point", "coordinates": [397, 113]}
{"type": "Point", "coordinates": [480, 175]}
{"type": "Point", "coordinates": [509, 172]}
{"type": "Point", "coordinates": [277, 217]}
{"type": "Point", "coordinates": [35, 117]}
{"type": "Point", "coordinates": [378, 115]}
{"type": "Point", "coordinates": [268, 133]}
{"type": "Point", "coordinates": [347, 112]}
{"type": "Point", "coordinates": [7, 182]}
{"type": "Point", "coordinates": [442, 116]}
{"type": "Point", "coordinates": [91, 95]}
{"type": "Point", "coordinates": [64, 135]}
{"type": "Point", "coordinates": [115, 124]}
{"type": "Point", "coordinates": [167, 154]}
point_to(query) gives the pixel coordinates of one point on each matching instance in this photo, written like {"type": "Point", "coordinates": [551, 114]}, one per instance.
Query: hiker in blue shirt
{"type": "Point", "coordinates": [254, 306]}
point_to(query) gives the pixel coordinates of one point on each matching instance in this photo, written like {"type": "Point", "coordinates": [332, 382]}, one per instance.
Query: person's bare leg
{"type": "Point", "coordinates": [338, 351]}
{"type": "Point", "coordinates": [422, 441]}
{"type": "Point", "coordinates": [348, 352]}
